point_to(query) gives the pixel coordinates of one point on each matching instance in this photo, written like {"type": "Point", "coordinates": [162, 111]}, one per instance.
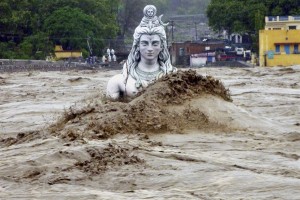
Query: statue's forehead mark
{"type": "Point", "coordinates": [151, 38]}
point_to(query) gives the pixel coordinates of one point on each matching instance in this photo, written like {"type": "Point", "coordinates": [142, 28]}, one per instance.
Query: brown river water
{"type": "Point", "coordinates": [207, 133]}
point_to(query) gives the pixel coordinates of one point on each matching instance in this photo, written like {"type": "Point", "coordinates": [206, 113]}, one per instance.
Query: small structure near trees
{"type": "Point", "coordinates": [61, 54]}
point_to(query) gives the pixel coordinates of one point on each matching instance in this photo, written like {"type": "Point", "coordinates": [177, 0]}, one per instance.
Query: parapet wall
{"type": "Point", "coordinates": [11, 65]}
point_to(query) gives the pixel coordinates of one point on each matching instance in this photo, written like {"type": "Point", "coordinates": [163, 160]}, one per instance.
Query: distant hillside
{"type": "Point", "coordinates": [188, 18]}
{"type": "Point", "coordinates": [187, 7]}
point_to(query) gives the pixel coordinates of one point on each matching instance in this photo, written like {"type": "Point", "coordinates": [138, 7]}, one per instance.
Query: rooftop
{"type": "Point", "coordinates": [281, 18]}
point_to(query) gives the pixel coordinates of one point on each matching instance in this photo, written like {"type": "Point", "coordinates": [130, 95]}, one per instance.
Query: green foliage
{"type": "Point", "coordinates": [35, 26]}
{"type": "Point", "coordinates": [70, 27]}
{"type": "Point", "coordinates": [36, 46]}
{"type": "Point", "coordinates": [31, 28]}
{"type": "Point", "coordinates": [7, 50]}
{"type": "Point", "coordinates": [85, 53]}
{"type": "Point", "coordinates": [247, 16]}
{"type": "Point", "coordinates": [5, 12]}
{"type": "Point", "coordinates": [26, 48]}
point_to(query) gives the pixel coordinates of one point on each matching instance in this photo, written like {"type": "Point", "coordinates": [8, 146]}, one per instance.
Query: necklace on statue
{"type": "Point", "coordinates": [147, 76]}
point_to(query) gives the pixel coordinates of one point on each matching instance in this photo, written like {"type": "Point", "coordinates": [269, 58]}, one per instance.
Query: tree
{"type": "Point", "coordinates": [127, 18]}
{"type": "Point", "coordinates": [70, 27]}
{"type": "Point", "coordinates": [36, 46]}
{"type": "Point", "coordinates": [35, 24]}
{"type": "Point", "coordinates": [247, 16]}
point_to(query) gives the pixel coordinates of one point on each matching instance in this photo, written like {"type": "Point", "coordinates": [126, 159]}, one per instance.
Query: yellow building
{"type": "Point", "coordinates": [279, 42]}
{"type": "Point", "coordinates": [65, 54]}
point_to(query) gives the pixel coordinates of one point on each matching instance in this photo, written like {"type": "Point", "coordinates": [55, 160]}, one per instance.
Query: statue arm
{"type": "Point", "coordinates": [115, 87]}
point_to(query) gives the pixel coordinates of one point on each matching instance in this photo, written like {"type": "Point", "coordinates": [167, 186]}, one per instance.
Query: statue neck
{"type": "Point", "coordinates": [148, 66]}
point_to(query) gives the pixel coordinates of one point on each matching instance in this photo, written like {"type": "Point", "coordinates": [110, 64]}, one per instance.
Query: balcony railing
{"type": "Point", "coordinates": [282, 18]}
{"type": "Point", "coordinates": [296, 18]}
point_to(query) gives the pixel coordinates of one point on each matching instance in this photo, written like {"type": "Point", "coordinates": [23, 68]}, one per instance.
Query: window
{"type": "Point", "coordinates": [287, 48]}
{"type": "Point", "coordinates": [276, 28]}
{"type": "Point", "coordinates": [181, 52]}
{"type": "Point", "coordinates": [277, 48]}
{"type": "Point", "coordinates": [296, 48]}
{"type": "Point", "coordinates": [292, 27]}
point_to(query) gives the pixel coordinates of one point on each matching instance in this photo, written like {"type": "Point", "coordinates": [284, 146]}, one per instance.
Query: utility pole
{"type": "Point", "coordinates": [88, 44]}
{"type": "Point", "coordinates": [196, 31]}
{"type": "Point", "coordinates": [172, 30]}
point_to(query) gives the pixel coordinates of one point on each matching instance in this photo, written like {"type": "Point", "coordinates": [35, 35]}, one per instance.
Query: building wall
{"type": "Point", "coordinates": [282, 22]}
{"type": "Point", "coordinates": [62, 54]}
{"type": "Point", "coordinates": [279, 43]}
{"type": "Point", "coordinates": [284, 60]}
{"type": "Point", "coordinates": [196, 48]}
{"type": "Point", "coordinates": [181, 51]}
{"type": "Point", "coordinates": [198, 61]}
{"type": "Point", "coordinates": [68, 54]}
{"type": "Point", "coordinates": [175, 51]}
{"type": "Point", "coordinates": [279, 47]}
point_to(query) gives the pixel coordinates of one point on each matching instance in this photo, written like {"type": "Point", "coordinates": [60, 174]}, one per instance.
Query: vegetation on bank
{"type": "Point", "coordinates": [247, 16]}
{"type": "Point", "coordinates": [29, 29]}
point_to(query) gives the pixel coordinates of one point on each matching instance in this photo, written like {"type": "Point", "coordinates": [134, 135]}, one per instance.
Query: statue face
{"type": "Point", "coordinates": [150, 46]}
{"type": "Point", "coordinates": [150, 12]}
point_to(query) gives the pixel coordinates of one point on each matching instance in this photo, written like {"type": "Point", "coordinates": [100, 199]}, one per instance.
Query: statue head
{"type": "Point", "coordinates": [148, 60]}
{"type": "Point", "coordinates": [150, 25]}
{"type": "Point", "coordinates": [150, 11]}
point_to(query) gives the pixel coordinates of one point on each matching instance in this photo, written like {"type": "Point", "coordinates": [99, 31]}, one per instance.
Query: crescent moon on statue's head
{"type": "Point", "coordinates": [160, 21]}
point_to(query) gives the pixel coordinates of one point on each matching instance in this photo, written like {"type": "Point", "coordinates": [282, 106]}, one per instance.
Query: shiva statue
{"type": "Point", "coordinates": [148, 60]}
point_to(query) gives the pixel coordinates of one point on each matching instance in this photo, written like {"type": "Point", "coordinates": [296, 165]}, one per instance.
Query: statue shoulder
{"type": "Point", "coordinates": [115, 86]}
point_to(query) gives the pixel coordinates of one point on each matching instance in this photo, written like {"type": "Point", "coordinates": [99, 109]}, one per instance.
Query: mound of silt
{"type": "Point", "coordinates": [165, 106]}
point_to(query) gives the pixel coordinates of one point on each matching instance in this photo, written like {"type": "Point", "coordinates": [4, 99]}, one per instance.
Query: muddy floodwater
{"type": "Point", "coordinates": [206, 133]}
